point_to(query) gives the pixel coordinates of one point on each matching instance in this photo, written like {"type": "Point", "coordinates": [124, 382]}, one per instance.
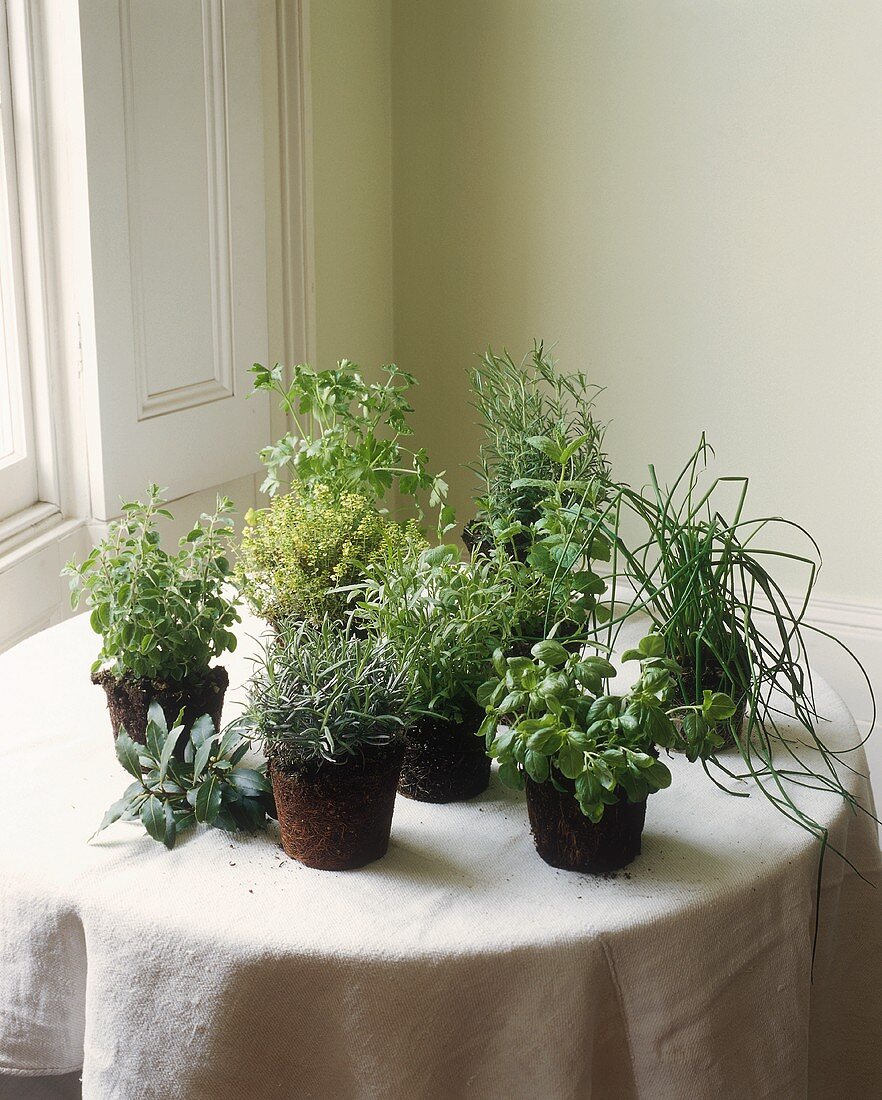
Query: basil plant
{"type": "Point", "coordinates": [550, 718]}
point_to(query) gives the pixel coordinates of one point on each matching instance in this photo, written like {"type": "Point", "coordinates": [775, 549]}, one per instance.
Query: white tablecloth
{"type": "Point", "coordinates": [458, 966]}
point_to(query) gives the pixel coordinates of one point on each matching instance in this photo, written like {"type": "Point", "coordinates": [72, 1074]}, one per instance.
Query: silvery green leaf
{"type": "Point", "coordinates": [114, 813]}
{"type": "Point", "coordinates": [156, 715]}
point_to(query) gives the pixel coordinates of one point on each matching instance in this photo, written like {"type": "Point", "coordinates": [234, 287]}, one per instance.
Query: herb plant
{"type": "Point", "coordinates": [161, 616]}
{"type": "Point", "coordinates": [349, 433]}
{"type": "Point", "coordinates": [550, 717]}
{"type": "Point", "coordinates": [208, 785]}
{"type": "Point", "coordinates": [322, 692]}
{"type": "Point", "coordinates": [535, 421]}
{"type": "Point", "coordinates": [706, 581]}
{"type": "Point", "coordinates": [449, 614]}
{"type": "Point", "coordinates": [297, 554]}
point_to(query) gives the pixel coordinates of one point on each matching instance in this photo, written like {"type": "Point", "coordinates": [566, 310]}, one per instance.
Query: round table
{"type": "Point", "coordinates": [458, 966]}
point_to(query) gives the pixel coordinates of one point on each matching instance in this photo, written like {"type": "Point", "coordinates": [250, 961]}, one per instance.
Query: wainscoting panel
{"type": "Point", "coordinates": [174, 122]}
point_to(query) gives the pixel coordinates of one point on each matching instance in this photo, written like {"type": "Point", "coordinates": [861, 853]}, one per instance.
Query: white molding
{"type": "Point", "coordinates": [864, 618]}
{"type": "Point", "coordinates": [25, 78]}
{"type": "Point", "coordinates": [46, 91]}
{"type": "Point", "coordinates": [26, 525]}
{"type": "Point", "coordinates": [220, 384]}
{"type": "Point", "coordinates": [39, 542]}
{"type": "Point", "coordinates": [295, 140]}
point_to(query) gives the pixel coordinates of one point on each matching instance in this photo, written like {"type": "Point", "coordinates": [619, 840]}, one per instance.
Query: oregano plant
{"type": "Point", "coordinates": [161, 615]}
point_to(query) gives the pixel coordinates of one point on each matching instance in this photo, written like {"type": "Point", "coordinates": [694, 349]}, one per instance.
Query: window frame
{"type": "Point", "coordinates": [44, 70]}
{"type": "Point", "coordinates": [20, 488]}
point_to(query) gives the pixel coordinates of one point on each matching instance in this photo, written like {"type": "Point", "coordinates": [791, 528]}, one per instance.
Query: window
{"type": "Point", "coordinates": [18, 466]}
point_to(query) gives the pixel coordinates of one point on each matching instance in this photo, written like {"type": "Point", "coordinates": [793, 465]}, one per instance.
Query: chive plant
{"type": "Point", "coordinates": [708, 583]}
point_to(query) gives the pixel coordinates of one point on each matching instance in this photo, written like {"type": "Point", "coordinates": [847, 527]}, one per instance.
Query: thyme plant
{"type": "Point", "coordinates": [298, 553]}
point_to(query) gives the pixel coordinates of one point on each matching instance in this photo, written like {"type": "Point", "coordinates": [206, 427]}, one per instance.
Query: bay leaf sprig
{"type": "Point", "coordinates": [205, 784]}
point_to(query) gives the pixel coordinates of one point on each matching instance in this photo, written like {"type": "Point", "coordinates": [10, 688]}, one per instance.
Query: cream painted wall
{"type": "Point", "coordinates": [352, 180]}
{"type": "Point", "coordinates": [686, 196]}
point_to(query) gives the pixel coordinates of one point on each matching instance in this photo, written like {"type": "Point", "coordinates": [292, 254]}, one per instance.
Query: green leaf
{"type": "Point", "coordinates": [114, 813]}
{"type": "Point", "coordinates": [249, 813]}
{"type": "Point", "coordinates": [484, 694]}
{"type": "Point", "coordinates": [250, 782]}
{"type": "Point", "coordinates": [171, 827]}
{"type": "Point", "coordinates": [546, 445]}
{"type": "Point", "coordinates": [717, 706]}
{"type": "Point", "coordinates": [202, 755]}
{"type": "Point", "coordinates": [658, 774]}
{"type": "Point", "coordinates": [229, 742]}
{"type": "Point", "coordinates": [511, 776]}
{"type": "Point", "coordinates": [153, 818]}
{"type": "Point", "coordinates": [536, 766]}
{"type": "Point", "coordinates": [653, 645]}
{"type": "Point", "coordinates": [603, 774]}
{"type": "Point", "coordinates": [502, 742]}
{"type": "Point", "coordinates": [239, 753]}
{"type": "Point", "coordinates": [202, 730]}
{"type": "Point", "coordinates": [226, 820]}
{"type": "Point", "coordinates": [546, 741]}
{"type": "Point", "coordinates": [208, 800]}
{"type": "Point", "coordinates": [571, 760]}
{"type": "Point", "coordinates": [154, 740]}
{"type": "Point", "coordinates": [550, 652]}
{"type": "Point", "coordinates": [127, 753]}
{"type": "Point", "coordinates": [168, 749]}
{"type": "Point", "coordinates": [156, 717]}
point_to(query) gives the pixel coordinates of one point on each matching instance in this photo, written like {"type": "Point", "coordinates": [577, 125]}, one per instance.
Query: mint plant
{"type": "Point", "coordinates": [349, 433]}
{"type": "Point", "coordinates": [161, 616]}
{"type": "Point", "coordinates": [550, 718]}
{"type": "Point", "coordinates": [208, 785]}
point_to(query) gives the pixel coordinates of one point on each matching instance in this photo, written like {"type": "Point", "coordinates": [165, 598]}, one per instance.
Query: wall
{"type": "Point", "coordinates": [688, 198]}
{"type": "Point", "coordinates": [349, 43]}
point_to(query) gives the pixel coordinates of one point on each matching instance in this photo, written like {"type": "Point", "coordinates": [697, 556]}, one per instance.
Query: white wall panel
{"type": "Point", "coordinates": [174, 135]}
